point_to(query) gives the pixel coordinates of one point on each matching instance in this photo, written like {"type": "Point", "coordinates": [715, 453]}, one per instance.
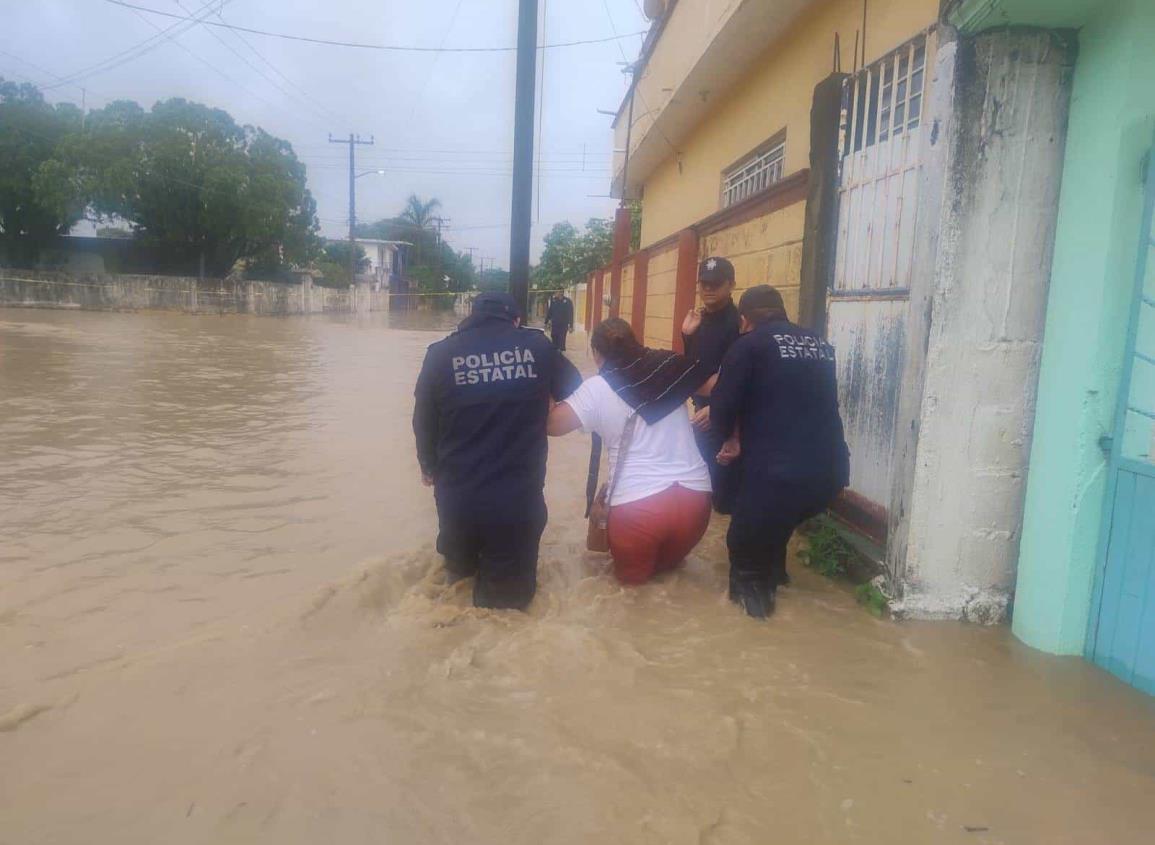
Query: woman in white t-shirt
{"type": "Point", "coordinates": [660, 504]}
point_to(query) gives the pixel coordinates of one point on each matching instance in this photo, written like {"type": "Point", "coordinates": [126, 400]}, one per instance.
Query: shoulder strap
{"type": "Point", "coordinates": [623, 450]}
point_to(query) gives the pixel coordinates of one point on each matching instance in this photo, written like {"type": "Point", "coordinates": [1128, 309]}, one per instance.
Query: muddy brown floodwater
{"type": "Point", "coordinates": [222, 620]}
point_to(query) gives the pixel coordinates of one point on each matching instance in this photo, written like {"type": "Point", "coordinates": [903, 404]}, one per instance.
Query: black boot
{"type": "Point", "coordinates": [755, 597]}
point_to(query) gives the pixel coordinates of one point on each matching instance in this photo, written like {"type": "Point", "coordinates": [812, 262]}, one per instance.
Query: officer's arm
{"type": "Point", "coordinates": [726, 398]}
{"type": "Point", "coordinates": [425, 416]}
{"type": "Point", "coordinates": [566, 378]}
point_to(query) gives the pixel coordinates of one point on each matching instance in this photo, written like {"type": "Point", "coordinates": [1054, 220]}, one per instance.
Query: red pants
{"type": "Point", "coordinates": [654, 534]}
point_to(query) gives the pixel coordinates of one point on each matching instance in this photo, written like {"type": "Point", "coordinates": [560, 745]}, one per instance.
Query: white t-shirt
{"type": "Point", "coordinates": [660, 455]}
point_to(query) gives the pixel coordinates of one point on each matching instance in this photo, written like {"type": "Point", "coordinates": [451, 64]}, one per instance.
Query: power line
{"type": "Point", "coordinates": [397, 48]}
{"type": "Point", "coordinates": [436, 59]}
{"type": "Point", "coordinates": [142, 48]}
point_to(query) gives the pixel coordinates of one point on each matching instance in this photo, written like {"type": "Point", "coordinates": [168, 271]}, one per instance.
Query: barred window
{"type": "Point", "coordinates": [755, 173]}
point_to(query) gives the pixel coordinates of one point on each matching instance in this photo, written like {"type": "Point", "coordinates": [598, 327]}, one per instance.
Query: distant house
{"type": "Point", "coordinates": [386, 262]}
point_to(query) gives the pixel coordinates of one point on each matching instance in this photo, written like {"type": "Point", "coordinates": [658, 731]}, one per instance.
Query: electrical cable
{"type": "Point", "coordinates": [398, 48]}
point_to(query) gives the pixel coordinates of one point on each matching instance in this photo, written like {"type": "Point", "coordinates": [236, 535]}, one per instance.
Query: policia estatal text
{"type": "Point", "coordinates": [482, 400]}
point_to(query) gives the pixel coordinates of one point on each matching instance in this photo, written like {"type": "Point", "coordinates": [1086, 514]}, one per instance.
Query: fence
{"type": "Point", "coordinates": [654, 287]}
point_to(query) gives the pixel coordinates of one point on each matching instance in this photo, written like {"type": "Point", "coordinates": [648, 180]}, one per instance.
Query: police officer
{"type": "Point", "coordinates": [559, 318]}
{"type": "Point", "coordinates": [707, 333]}
{"type": "Point", "coordinates": [482, 399]}
{"type": "Point", "coordinates": [778, 389]}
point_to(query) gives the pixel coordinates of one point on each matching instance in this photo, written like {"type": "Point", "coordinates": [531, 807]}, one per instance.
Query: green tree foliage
{"type": "Point", "coordinates": [569, 255]}
{"type": "Point", "coordinates": [31, 132]}
{"type": "Point", "coordinates": [193, 184]}
{"type": "Point", "coordinates": [334, 263]}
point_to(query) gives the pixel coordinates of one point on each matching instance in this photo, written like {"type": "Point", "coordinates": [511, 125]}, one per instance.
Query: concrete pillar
{"type": "Point", "coordinates": [991, 176]}
{"type": "Point", "coordinates": [685, 284]}
{"type": "Point", "coordinates": [622, 228]}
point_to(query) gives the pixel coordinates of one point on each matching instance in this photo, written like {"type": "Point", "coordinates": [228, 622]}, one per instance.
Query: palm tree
{"type": "Point", "coordinates": [419, 213]}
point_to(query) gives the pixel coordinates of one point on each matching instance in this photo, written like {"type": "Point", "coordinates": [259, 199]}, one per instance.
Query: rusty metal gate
{"type": "Point", "coordinates": [868, 302]}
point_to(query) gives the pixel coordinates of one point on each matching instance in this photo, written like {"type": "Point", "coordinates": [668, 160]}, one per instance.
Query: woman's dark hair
{"type": "Point", "coordinates": [614, 340]}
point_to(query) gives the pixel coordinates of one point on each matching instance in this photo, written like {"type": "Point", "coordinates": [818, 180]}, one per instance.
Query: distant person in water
{"type": "Point", "coordinates": [659, 491]}
{"type": "Point", "coordinates": [482, 400]}
{"type": "Point", "coordinates": [778, 383]}
{"type": "Point", "coordinates": [559, 318]}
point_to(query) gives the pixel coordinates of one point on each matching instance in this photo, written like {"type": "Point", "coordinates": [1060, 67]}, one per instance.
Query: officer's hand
{"type": "Point", "coordinates": [427, 480]}
{"type": "Point", "coordinates": [701, 419]}
{"type": "Point", "coordinates": [692, 322]}
{"type": "Point", "coordinates": [730, 452]}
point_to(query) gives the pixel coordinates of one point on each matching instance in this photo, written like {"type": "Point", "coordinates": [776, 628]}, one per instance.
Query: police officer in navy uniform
{"type": "Point", "coordinates": [559, 318]}
{"type": "Point", "coordinates": [708, 332]}
{"type": "Point", "coordinates": [778, 390]}
{"type": "Point", "coordinates": [482, 400]}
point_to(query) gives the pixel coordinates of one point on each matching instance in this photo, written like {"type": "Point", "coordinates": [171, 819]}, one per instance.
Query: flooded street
{"type": "Point", "coordinates": [222, 620]}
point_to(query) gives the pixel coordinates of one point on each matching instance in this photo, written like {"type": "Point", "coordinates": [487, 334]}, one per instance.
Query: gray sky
{"type": "Point", "coordinates": [442, 122]}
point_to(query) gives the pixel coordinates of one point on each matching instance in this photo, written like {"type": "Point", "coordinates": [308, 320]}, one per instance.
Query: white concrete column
{"type": "Point", "coordinates": [999, 112]}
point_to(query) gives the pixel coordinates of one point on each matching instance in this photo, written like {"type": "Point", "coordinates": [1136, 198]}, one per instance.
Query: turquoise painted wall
{"type": "Point", "coordinates": [1112, 123]}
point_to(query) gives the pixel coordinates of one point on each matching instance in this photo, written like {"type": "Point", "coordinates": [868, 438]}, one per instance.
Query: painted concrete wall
{"type": "Point", "coordinates": [660, 299]}
{"type": "Point", "coordinates": [1113, 105]}
{"type": "Point", "coordinates": [104, 292]}
{"type": "Point", "coordinates": [765, 251]}
{"type": "Point", "coordinates": [983, 335]}
{"type": "Point", "coordinates": [776, 95]}
{"type": "Point", "coordinates": [626, 308]}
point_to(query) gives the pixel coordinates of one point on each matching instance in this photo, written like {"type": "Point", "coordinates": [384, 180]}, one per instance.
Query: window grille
{"type": "Point", "coordinates": [755, 174]}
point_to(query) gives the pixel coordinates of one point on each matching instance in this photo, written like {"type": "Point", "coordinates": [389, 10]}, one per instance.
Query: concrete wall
{"type": "Point", "coordinates": [776, 94]}
{"type": "Point", "coordinates": [626, 300]}
{"type": "Point", "coordinates": [102, 292]}
{"type": "Point", "coordinates": [1112, 124]}
{"type": "Point", "coordinates": [663, 282]}
{"type": "Point", "coordinates": [978, 307]}
{"type": "Point", "coordinates": [766, 250]}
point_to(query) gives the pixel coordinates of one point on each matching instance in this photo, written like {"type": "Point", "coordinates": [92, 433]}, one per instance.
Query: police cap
{"type": "Point", "coordinates": [496, 304]}
{"type": "Point", "coordinates": [715, 272]}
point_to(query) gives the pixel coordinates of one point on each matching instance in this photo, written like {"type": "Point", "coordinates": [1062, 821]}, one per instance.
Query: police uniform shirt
{"type": "Point", "coordinates": [709, 344]}
{"type": "Point", "coordinates": [560, 314]}
{"type": "Point", "coordinates": [779, 381]}
{"type": "Point", "coordinates": [482, 399]}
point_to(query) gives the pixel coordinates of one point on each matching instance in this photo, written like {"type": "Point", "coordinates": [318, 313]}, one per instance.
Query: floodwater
{"type": "Point", "coordinates": [222, 620]}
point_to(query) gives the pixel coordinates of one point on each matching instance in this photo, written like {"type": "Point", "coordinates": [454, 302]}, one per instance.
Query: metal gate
{"type": "Point", "coordinates": [1122, 636]}
{"type": "Point", "coordinates": [869, 298]}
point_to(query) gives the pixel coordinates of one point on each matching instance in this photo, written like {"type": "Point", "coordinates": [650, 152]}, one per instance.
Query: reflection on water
{"type": "Point", "coordinates": [222, 621]}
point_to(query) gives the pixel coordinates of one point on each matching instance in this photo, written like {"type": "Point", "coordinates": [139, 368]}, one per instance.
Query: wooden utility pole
{"type": "Point", "coordinates": [521, 209]}
{"type": "Point", "coordinates": [353, 141]}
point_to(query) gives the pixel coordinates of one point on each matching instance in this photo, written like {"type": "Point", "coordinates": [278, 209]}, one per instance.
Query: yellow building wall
{"type": "Point", "coordinates": [776, 95]}
{"type": "Point", "coordinates": [579, 306]}
{"type": "Point", "coordinates": [661, 281]}
{"type": "Point", "coordinates": [625, 309]}
{"type": "Point", "coordinates": [764, 251]}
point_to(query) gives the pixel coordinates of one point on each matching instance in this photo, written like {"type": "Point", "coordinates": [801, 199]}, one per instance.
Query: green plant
{"type": "Point", "coordinates": [827, 553]}
{"type": "Point", "coordinates": [872, 598]}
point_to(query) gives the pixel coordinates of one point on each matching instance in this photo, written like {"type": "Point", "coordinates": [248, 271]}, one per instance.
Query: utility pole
{"type": "Point", "coordinates": [471, 250]}
{"type": "Point", "coordinates": [521, 209]}
{"type": "Point", "coordinates": [354, 141]}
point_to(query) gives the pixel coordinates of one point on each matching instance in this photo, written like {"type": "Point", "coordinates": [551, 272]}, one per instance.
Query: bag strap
{"type": "Point", "coordinates": [623, 451]}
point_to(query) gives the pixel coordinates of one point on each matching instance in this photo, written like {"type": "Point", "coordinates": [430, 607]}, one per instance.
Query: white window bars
{"type": "Point", "coordinates": [884, 100]}
{"type": "Point", "coordinates": [755, 174]}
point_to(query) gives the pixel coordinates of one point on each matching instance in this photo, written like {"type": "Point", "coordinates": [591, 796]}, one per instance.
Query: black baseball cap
{"type": "Point", "coordinates": [497, 304]}
{"type": "Point", "coordinates": [714, 272]}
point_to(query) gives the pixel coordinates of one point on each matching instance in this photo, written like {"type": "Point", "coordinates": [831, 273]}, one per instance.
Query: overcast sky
{"type": "Point", "coordinates": [442, 122]}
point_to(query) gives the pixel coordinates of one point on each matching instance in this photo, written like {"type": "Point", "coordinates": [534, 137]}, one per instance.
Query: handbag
{"type": "Point", "coordinates": [598, 531]}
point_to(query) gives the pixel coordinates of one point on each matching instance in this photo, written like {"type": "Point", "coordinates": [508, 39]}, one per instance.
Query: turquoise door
{"type": "Point", "coordinates": [1122, 636]}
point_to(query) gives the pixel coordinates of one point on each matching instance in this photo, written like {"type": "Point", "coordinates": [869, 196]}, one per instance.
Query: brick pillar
{"type": "Point", "coordinates": [621, 250]}
{"type": "Point", "coordinates": [589, 302]}
{"type": "Point", "coordinates": [686, 285]}
{"type": "Point", "coordinates": [599, 278]}
{"type": "Point", "coordinates": [641, 271]}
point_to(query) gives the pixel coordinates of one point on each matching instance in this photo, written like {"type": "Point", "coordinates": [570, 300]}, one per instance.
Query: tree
{"type": "Point", "coordinates": [419, 213]}
{"type": "Point", "coordinates": [31, 132]}
{"type": "Point", "coordinates": [569, 255]}
{"type": "Point", "coordinates": [197, 188]}
{"type": "Point", "coordinates": [433, 266]}
{"type": "Point", "coordinates": [334, 263]}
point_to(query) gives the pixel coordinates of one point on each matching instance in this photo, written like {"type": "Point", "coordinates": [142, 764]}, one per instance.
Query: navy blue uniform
{"type": "Point", "coordinates": [482, 399]}
{"type": "Point", "coordinates": [709, 345]}
{"type": "Point", "coordinates": [779, 384]}
{"type": "Point", "coordinates": [559, 318]}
